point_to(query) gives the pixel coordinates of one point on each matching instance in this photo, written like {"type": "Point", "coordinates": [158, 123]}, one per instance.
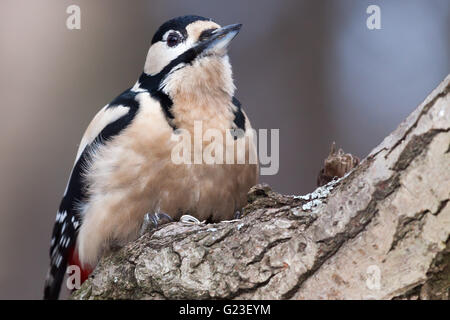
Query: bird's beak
{"type": "Point", "coordinates": [220, 39]}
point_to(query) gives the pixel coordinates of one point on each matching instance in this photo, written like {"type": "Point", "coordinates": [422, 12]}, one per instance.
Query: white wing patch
{"type": "Point", "coordinates": [103, 118]}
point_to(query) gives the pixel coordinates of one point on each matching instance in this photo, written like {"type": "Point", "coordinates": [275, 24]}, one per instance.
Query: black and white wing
{"type": "Point", "coordinates": [108, 122]}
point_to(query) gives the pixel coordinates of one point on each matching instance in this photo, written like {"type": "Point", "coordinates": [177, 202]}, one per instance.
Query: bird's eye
{"type": "Point", "coordinates": [173, 39]}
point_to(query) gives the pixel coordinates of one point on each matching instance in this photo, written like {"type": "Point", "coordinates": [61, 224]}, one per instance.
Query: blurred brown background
{"type": "Point", "coordinates": [310, 68]}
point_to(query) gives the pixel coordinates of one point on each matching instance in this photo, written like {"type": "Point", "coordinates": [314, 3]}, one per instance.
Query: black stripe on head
{"type": "Point", "coordinates": [152, 83]}
{"type": "Point", "coordinates": [178, 24]}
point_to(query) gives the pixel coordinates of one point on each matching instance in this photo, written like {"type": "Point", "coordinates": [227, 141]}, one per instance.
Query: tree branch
{"type": "Point", "coordinates": [380, 232]}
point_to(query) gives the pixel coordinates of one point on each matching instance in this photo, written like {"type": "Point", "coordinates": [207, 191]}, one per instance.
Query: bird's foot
{"type": "Point", "coordinates": [237, 216]}
{"type": "Point", "coordinates": [190, 219]}
{"type": "Point", "coordinates": [154, 220]}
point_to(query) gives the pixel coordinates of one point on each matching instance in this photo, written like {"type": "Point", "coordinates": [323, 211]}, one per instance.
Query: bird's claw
{"type": "Point", "coordinates": [154, 220]}
{"type": "Point", "coordinates": [189, 219]}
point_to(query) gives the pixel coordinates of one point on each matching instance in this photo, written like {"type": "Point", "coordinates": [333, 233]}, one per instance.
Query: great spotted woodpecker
{"type": "Point", "coordinates": [124, 169]}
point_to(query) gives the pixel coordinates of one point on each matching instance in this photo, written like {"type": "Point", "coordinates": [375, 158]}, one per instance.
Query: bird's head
{"type": "Point", "coordinates": [189, 54]}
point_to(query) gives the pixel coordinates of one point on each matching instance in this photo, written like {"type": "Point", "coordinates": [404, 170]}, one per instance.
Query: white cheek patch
{"type": "Point", "coordinates": [160, 54]}
{"type": "Point", "coordinates": [103, 118]}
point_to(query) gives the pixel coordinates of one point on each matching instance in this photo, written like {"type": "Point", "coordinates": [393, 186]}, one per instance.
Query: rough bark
{"type": "Point", "coordinates": [380, 232]}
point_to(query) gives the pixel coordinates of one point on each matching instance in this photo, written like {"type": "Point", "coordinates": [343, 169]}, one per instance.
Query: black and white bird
{"type": "Point", "coordinates": [124, 169]}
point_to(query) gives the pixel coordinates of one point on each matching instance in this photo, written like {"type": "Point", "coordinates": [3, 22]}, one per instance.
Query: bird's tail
{"type": "Point", "coordinates": [53, 281]}
{"type": "Point", "coordinates": [56, 273]}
